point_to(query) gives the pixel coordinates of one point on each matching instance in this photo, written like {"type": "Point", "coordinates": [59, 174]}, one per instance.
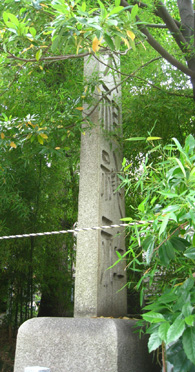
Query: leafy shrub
{"type": "Point", "coordinates": [162, 248]}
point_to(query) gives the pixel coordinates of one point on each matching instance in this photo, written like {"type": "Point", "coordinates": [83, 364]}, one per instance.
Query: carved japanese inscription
{"type": "Point", "coordinates": [101, 203]}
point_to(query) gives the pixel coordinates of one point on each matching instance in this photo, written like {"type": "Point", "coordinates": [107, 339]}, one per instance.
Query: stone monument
{"type": "Point", "coordinates": [88, 343]}
{"type": "Point", "coordinates": [97, 288]}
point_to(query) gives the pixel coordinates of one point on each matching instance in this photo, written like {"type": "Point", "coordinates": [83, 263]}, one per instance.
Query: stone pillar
{"type": "Point", "coordinates": [97, 288]}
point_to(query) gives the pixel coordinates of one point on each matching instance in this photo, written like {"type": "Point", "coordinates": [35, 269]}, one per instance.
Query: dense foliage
{"type": "Point", "coordinates": [42, 90]}
{"type": "Point", "coordinates": [162, 247]}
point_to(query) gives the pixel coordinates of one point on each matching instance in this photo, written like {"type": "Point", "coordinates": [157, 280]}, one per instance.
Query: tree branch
{"type": "Point", "coordinates": [170, 22]}
{"type": "Point", "coordinates": [159, 48]}
{"type": "Point", "coordinates": [169, 236]}
{"type": "Point", "coordinates": [155, 11]}
{"type": "Point", "coordinates": [54, 58]}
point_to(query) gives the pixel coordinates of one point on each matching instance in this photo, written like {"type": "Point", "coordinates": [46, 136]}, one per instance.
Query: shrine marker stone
{"type": "Point", "coordinates": [97, 288]}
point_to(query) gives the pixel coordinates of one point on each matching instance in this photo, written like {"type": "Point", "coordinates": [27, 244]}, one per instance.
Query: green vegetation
{"type": "Point", "coordinates": [162, 247]}
{"type": "Point", "coordinates": [42, 44]}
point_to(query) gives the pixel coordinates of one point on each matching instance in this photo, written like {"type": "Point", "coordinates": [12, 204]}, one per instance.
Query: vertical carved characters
{"type": "Point", "coordinates": [110, 111]}
{"type": "Point", "coordinates": [97, 288]}
{"type": "Point", "coordinates": [110, 181]}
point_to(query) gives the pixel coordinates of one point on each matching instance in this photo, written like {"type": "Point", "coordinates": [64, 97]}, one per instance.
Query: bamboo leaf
{"type": "Point", "coordinates": [164, 224]}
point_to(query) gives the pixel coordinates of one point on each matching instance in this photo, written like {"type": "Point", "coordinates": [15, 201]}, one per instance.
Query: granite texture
{"type": "Point", "coordinates": [81, 345]}
{"type": "Point", "coordinates": [36, 369]}
{"type": "Point", "coordinates": [97, 289]}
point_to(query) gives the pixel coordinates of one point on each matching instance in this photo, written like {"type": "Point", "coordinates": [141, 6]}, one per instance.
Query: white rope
{"type": "Point", "coordinates": [73, 231]}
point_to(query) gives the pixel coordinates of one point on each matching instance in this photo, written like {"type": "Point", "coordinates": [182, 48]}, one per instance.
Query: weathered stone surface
{"type": "Point", "coordinates": [96, 288]}
{"type": "Point", "coordinates": [36, 369]}
{"type": "Point", "coordinates": [82, 345]}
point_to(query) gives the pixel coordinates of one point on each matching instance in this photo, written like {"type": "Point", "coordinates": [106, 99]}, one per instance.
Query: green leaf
{"type": "Point", "coordinates": [101, 4]}
{"type": "Point", "coordinates": [190, 320]}
{"type": "Point", "coordinates": [177, 144]}
{"type": "Point", "coordinates": [163, 255]}
{"type": "Point", "coordinates": [38, 54]}
{"type": "Point", "coordinates": [116, 10]}
{"type": "Point", "coordinates": [32, 31]}
{"type": "Point", "coordinates": [5, 17]}
{"type": "Point", "coordinates": [176, 330]}
{"type": "Point", "coordinates": [169, 250]}
{"type": "Point", "coordinates": [84, 6]}
{"type": "Point", "coordinates": [134, 11]}
{"type": "Point", "coordinates": [153, 138]}
{"type": "Point", "coordinates": [153, 317]}
{"type": "Point", "coordinates": [164, 224]}
{"type": "Point", "coordinates": [56, 42]}
{"type": "Point", "coordinates": [162, 331]}
{"type": "Point", "coordinates": [178, 243]}
{"type": "Point", "coordinates": [181, 166]}
{"type": "Point", "coordinates": [190, 253]}
{"type": "Point", "coordinates": [171, 208]}
{"type": "Point", "coordinates": [117, 42]}
{"type": "Point", "coordinates": [176, 356]}
{"type": "Point", "coordinates": [149, 252]}
{"type": "Point", "coordinates": [13, 19]}
{"type": "Point", "coordinates": [187, 309]}
{"type": "Point", "coordinates": [127, 219]}
{"type": "Point", "coordinates": [167, 298]}
{"type": "Point", "coordinates": [168, 194]}
{"type": "Point", "coordinates": [109, 41]}
{"type": "Point", "coordinates": [146, 243]}
{"type": "Point", "coordinates": [182, 151]}
{"type": "Point", "coordinates": [154, 342]}
{"type": "Point", "coordinates": [118, 254]}
{"type": "Point", "coordinates": [117, 2]}
{"type": "Point", "coordinates": [188, 341]}
{"type": "Point", "coordinates": [40, 140]}
{"type": "Point", "coordinates": [136, 139]}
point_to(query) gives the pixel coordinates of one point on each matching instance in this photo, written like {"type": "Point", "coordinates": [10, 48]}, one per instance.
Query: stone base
{"type": "Point", "coordinates": [82, 345]}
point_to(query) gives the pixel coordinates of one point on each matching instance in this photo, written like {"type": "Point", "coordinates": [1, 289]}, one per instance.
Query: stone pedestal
{"type": "Point", "coordinates": [82, 345]}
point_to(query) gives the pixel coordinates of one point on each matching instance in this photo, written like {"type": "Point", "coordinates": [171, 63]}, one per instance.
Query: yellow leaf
{"type": "Point", "coordinates": [31, 46]}
{"type": "Point", "coordinates": [41, 68]}
{"type": "Point", "coordinates": [43, 135]}
{"type": "Point", "coordinates": [131, 35]}
{"type": "Point", "coordinates": [98, 89]}
{"type": "Point", "coordinates": [45, 6]}
{"type": "Point", "coordinates": [12, 144]}
{"type": "Point", "coordinates": [126, 42]}
{"type": "Point", "coordinates": [83, 133]}
{"type": "Point", "coordinates": [80, 108]}
{"type": "Point", "coordinates": [2, 135]}
{"type": "Point", "coordinates": [96, 44]}
{"type": "Point", "coordinates": [57, 148]}
{"type": "Point", "coordinates": [40, 140]}
{"type": "Point", "coordinates": [78, 46]}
